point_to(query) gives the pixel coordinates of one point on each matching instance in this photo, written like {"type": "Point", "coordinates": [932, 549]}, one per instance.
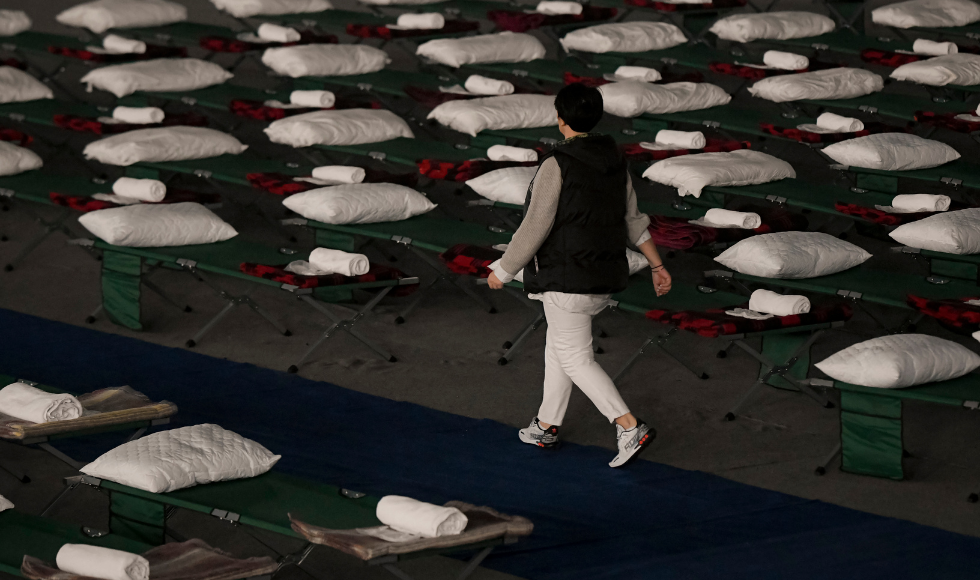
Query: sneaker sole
{"type": "Point", "coordinates": [644, 443]}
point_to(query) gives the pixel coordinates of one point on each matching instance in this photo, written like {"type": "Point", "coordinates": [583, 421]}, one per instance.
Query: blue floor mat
{"type": "Point", "coordinates": [647, 521]}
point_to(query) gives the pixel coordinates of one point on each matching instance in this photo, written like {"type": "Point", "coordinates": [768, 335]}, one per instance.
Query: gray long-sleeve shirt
{"type": "Point", "coordinates": [540, 218]}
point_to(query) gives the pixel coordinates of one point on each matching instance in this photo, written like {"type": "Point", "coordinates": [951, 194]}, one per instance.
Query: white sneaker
{"type": "Point", "coordinates": [631, 442]}
{"type": "Point", "coordinates": [536, 435]}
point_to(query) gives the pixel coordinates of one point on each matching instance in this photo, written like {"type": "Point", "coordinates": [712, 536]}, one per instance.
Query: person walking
{"type": "Point", "coordinates": [580, 215]}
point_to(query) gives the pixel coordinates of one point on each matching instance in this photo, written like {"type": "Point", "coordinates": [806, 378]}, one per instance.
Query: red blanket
{"type": "Point", "coordinates": [465, 170]}
{"type": "Point", "coordinates": [808, 137]}
{"type": "Point", "coordinates": [282, 184]}
{"type": "Point", "coordinates": [374, 31]}
{"type": "Point", "coordinates": [753, 74]}
{"type": "Point", "coordinates": [470, 260]}
{"type": "Point", "coordinates": [668, 77]}
{"type": "Point", "coordinates": [89, 125]}
{"type": "Point", "coordinates": [279, 274]}
{"type": "Point", "coordinates": [678, 234]}
{"type": "Point", "coordinates": [519, 21]}
{"type": "Point", "coordinates": [665, 7]}
{"type": "Point", "coordinates": [152, 51]}
{"type": "Point", "coordinates": [86, 204]}
{"type": "Point", "coordinates": [955, 314]}
{"type": "Point", "coordinates": [253, 109]}
{"type": "Point", "coordinates": [714, 322]}
{"type": "Point", "coordinates": [224, 44]}
{"type": "Point", "coordinates": [635, 152]}
{"type": "Point", "coordinates": [897, 59]}
{"type": "Point", "coordinates": [15, 136]}
{"type": "Point", "coordinates": [948, 121]}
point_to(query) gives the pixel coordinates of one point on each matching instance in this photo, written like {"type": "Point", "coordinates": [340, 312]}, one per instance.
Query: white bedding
{"type": "Point", "coordinates": [178, 143]}
{"type": "Point", "coordinates": [101, 15]}
{"type": "Point", "coordinates": [891, 152]}
{"type": "Point", "coordinates": [507, 185]}
{"type": "Point", "coordinates": [160, 75]}
{"type": "Point", "coordinates": [426, 520]}
{"type": "Point", "coordinates": [359, 203]}
{"type": "Point", "coordinates": [792, 255]}
{"type": "Point", "coordinates": [927, 13]}
{"type": "Point", "coordinates": [497, 113]}
{"type": "Point", "coordinates": [485, 48]}
{"type": "Point", "coordinates": [325, 60]}
{"type": "Point", "coordinates": [98, 562]}
{"type": "Point", "coordinates": [692, 173]}
{"type": "Point", "coordinates": [16, 86]}
{"type": "Point", "coordinates": [961, 69]}
{"type": "Point", "coordinates": [13, 22]}
{"type": "Point", "coordinates": [346, 127]}
{"type": "Point", "coordinates": [151, 225]}
{"type": "Point", "coordinates": [955, 232]}
{"type": "Point", "coordinates": [249, 8]}
{"type": "Point", "coordinates": [633, 98]}
{"type": "Point", "coordinates": [771, 26]}
{"type": "Point", "coordinates": [832, 83]}
{"type": "Point", "coordinates": [15, 159]}
{"type": "Point", "coordinates": [624, 37]}
{"type": "Point", "coordinates": [28, 403]}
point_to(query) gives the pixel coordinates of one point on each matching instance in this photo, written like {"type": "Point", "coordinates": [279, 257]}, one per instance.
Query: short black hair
{"type": "Point", "coordinates": [579, 106]}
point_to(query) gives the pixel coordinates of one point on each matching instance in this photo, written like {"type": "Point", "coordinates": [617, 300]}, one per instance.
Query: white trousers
{"type": "Point", "coordinates": [568, 358]}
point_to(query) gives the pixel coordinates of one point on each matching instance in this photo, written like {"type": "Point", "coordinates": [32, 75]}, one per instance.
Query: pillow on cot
{"type": "Point", "coordinates": [900, 360]}
{"type": "Point", "coordinates": [485, 48]}
{"type": "Point", "coordinates": [14, 22]}
{"type": "Point", "coordinates": [359, 203]}
{"type": "Point", "coordinates": [927, 14]}
{"type": "Point", "coordinates": [624, 37]}
{"type": "Point", "coordinates": [771, 26]}
{"type": "Point", "coordinates": [400, 2]}
{"type": "Point", "coordinates": [891, 152]}
{"type": "Point", "coordinates": [158, 75]}
{"type": "Point", "coordinates": [178, 143]}
{"type": "Point", "coordinates": [507, 185]}
{"type": "Point", "coordinates": [15, 159]}
{"type": "Point", "coordinates": [346, 127]}
{"type": "Point", "coordinates": [101, 15]}
{"type": "Point", "coordinates": [16, 86]}
{"type": "Point", "coordinates": [827, 84]}
{"type": "Point", "coordinates": [690, 174]}
{"type": "Point", "coordinates": [325, 60]}
{"type": "Point", "coordinates": [634, 98]}
{"type": "Point", "coordinates": [792, 255]}
{"type": "Point", "coordinates": [149, 225]}
{"type": "Point", "coordinates": [955, 232]}
{"type": "Point", "coordinates": [501, 113]}
{"type": "Point", "coordinates": [951, 69]}
{"type": "Point", "coordinates": [249, 8]}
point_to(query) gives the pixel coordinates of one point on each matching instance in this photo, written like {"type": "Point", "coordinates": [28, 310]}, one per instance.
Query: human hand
{"type": "Point", "coordinates": [661, 281]}
{"type": "Point", "coordinates": [494, 282]}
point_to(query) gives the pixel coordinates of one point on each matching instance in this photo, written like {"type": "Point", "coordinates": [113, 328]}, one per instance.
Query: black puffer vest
{"type": "Point", "coordinates": [585, 253]}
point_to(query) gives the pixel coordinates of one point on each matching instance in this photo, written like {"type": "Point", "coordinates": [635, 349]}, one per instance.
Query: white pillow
{"type": "Point", "coordinates": [507, 185]}
{"type": "Point", "coordinates": [900, 360]}
{"type": "Point", "coordinates": [927, 13]}
{"type": "Point", "coordinates": [16, 86]}
{"type": "Point", "coordinates": [891, 152]}
{"type": "Point", "coordinates": [624, 37]}
{"type": "Point", "coordinates": [176, 143]}
{"type": "Point", "coordinates": [955, 232]}
{"type": "Point", "coordinates": [400, 2]}
{"type": "Point", "coordinates": [634, 98]}
{"type": "Point", "coordinates": [14, 22]}
{"type": "Point", "coordinates": [485, 48]}
{"type": "Point", "coordinates": [831, 83]}
{"type": "Point", "coordinates": [160, 75]}
{"type": "Point", "coordinates": [346, 127]}
{"type": "Point", "coordinates": [792, 255]}
{"type": "Point", "coordinates": [325, 60]}
{"type": "Point", "coordinates": [771, 26]}
{"type": "Point", "coordinates": [498, 113]}
{"type": "Point", "coordinates": [101, 15]}
{"type": "Point", "coordinates": [185, 457]}
{"type": "Point", "coordinates": [359, 203]}
{"type": "Point", "coordinates": [692, 173]}
{"type": "Point", "coordinates": [152, 225]}
{"type": "Point", "coordinates": [249, 8]}
{"type": "Point", "coordinates": [15, 159]}
{"type": "Point", "coordinates": [951, 69]}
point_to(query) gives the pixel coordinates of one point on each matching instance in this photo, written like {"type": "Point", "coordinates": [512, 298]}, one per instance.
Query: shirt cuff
{"type": "Point", "coordinates": [502, 274]}
{"type": "Point", "coordinates": [643, 237]}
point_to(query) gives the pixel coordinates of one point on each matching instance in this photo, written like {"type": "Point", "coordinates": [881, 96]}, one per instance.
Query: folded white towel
{"type": "Point", "coordinates": [933, 48]}
{"type": "Point", "coordinates": [97, 562]}
{"type": "Point", "coordinates": [29, 403]}
{"type": "Point", "coordinates": [918, 202]}
{"type": "Point", "coordinates": [750, 314]}
{"type": "Point", "coordinates": [339, 262]}
{"type": "Point", "coordinates": [838, 123]}
{"type": "Point", "coordinates": [337, 174]}
{"type": "Point", "coordinates": [142, 189]}
{"type": "Point", "coordinates": [481, 85]}
{"type": "Point", "coordinates": [772, 303]}
{"type": "Point", "coordinates": [785, 60]}
{"type": "Point", "coordinates": [405, 514]}
{"type": "Point", "coordinates": [276, 33]}
{"type": "Point", "coordinates": [637, 73]}
{"type": "Point", "coordinates": [735, 219]}
{"type": "Point", "coordinates": [118, 44]}
{"type": "Point", "coordinates": [304, 268]}
{"type": "Point", "coordinates": [508, 153]}
{"type": "Point", "coordinates": [316, 99]}
{"type": "Point", "coordinates": [555, 8]}
{"type": "Point", "coordinates": [138, 115]}
{"type": "Point", "coordinates": [5, 504]}
{"type": "Point", "coordinates": [681, 139]}
{"type": "Point", "coordinates": [426, 21]}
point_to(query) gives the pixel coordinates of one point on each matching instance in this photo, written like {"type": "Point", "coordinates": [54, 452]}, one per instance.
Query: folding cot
{"type": "Point", "coordinates": [275, 502]}
{"type": "Point", "coordinates": [120, 409]}
{"type": "Point", "coordinates": [961, 266]}
{"type": "Point", "coordinates": [124, 273]}
{"type": "Point", "coordinates": [955, 174]}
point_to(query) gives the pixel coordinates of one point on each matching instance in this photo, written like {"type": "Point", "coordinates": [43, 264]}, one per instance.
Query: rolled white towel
{"type": "Point", "coordinates": [508, 153]}
{"type": "Point", "coordinates": [481, 85]}
{"type": "Point", "coordinates": [771, 303]}
{"type": "Point", "coordinates": [405, 514]}
{"type": "Point", "coordinates": [747, 313]}
{"type": "Point", "coordinates": [338, 174]}
{"type": "Point", "coordinates": [116, 43]}
{"type": "Point", "coordinates": [681, 139]}
{"type": "Point", "coordinates": [735, 219]}
{"type": "Point", "coordinates": [98, 562]}
{"type": "Point", "coordinates": [29, 403]}
{"type": "Point", "coordinates": [638, 73]}
{"type": "Point", "coordinates": [933, 48]}
{"type": "Point", "coordinates": [785, 60]}
{"type": "Point", "coordinates": [5, 504]}
{"type": "Point", "coordinates": [138, 115]}
{"type": "Point", "coordinates": [339, 262]}
{"type": "Point", "coordinates": [276, 33]}
{"type": "Point", "coordinates": [316, 99]}
{"type": "Point", "coordinates": [150, 190]}
{"type": "Point", "coordinates": [555, 8]}
{"type": "Point", "coordinates": [426, 21]}
{"type": "Point", "coordinates": [916, 202]}
{"type": "Point", "coordinates": [838, 123]}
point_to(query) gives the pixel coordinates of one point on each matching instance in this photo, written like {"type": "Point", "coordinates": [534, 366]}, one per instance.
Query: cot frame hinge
{"type": "Point", "coordinates": [188, 100]}
{"type": "Point", "coordinates": [858, 190]}
{"type": "Point", "coordinates": [4, 192]}
{"type": "Point", "coordinates": [9, 46]}
{"type": "Point", "coordinates": [202, 173]}
{"type": "Point", "coordinates": [839, 167]}
{"type": "Point", "coordinates": [818, 383]}
{"type": "Point", "coordinates": [868, 109]}
{"type": "Point", "coordinates": [668, 60]}
{"type": "Point", "coordinates": [226, 515]}
{"type": "Point", "coordinates": [549, 141]}
{"type": "Point", "coordinates": [776, 199]}
{"type": "Point", "coordinates": [17, 117]}
{"type": "Point", "coordinates": [719, 274]}
{"type": "Point", "coordinates": [294, 221]}
{"type": "Point", "coordinates": [378, 155]}
{"type": "Point", "coordinates": [819, 46]}
{"type": "Point", "coordinates": [461, 146]}
{"type": "Point", "coordinates": [402, 240]}
{"type": "Point", "coordinates": [907, 250]}
{"type": "Point", "coordinates": [951, 181]}
{"type": "Point", "coordinates": [187, 264]}
{"type": "Point", "coordinates": [366, 87]}
{"type": "Point", "coordinates": [520, 73]}
{"type": "Point", "coordinates": [711, 124]}
{"type": "Point", "coordinates": [163, 36]}
{"type": "Point", "coordinates": [972, 405]}
{"type": "Point", "coordinates": [83, 242]}
{"type": "Point", "coordinates": [850, 294]}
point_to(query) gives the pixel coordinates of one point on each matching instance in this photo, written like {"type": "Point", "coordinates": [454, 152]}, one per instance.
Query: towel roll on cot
{"type": "Point", "coordinates": [771, 303]}
{"type": "Point", "coordinates": [638, 73]}
{"type": "Point", "coordinates": [734, 219]}
{"type": "Point", "coordinates": [481, 85]}
{"type": "Point", "coordinates": [339, 262]}
{"type": "Point", "coordinates": [5, 504]}
{"type": "Point", "coordinates": [338, 174]}
{"type": "Point", "coordinates": [681, 139]}
{"type": "Point", "coordinates": [276, 33]}
{"type": "Point", "coordinates": [426, 21]}
{"type": "Point", "coordinates": [29, 403]}
{"type": "Point", "coordinates": [785, 60]}
{"type": "Point", "coordinates": [98, 562]}
{"type": "Point", "coordinates": [839, 124]}
{"type": "Point", "coordinates": [509, 153]}
{"type": "Point", "coordinates": [150, 190]}
{"type": "Point", "coordinates": [315, 99]}
{"type": "Point", "coordinates": [556, 8]}
{"type": "Point", "coordinates": [918, 202]}
{"type": "Point", "coordinates": [118, 44]}
{"type": "Point", "coordinates": [411, 516]}
{"type": "Point", "coordinates": [139, 115]}
{"type": "Point", "coordinates": [933, 48]}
